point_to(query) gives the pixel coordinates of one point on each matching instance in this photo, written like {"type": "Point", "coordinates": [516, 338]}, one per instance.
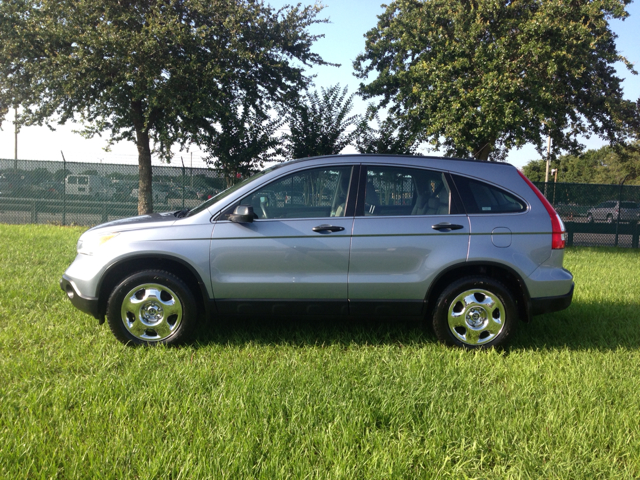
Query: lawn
{"type": "Point", "coordinates": [293, 398]}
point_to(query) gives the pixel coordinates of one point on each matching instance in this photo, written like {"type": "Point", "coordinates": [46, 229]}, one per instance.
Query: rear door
{"type": "Point", "coordinates": [409, 226]}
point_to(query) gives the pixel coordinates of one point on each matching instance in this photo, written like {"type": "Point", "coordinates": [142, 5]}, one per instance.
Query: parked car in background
{"type": "Point", "coordinates": [470, 247]}
{"type": "Point", "coordinates": [12, 184]}
{"type": "Point", "coordinates": [160, 192]}
{"type": "Point", "coordinates": [50, 189]}
{"type": "Point", "coordinates": [608, 212]}
{"type": "Point", "coordinates": [89, 186]}
{"type": "Point", "coordinates": [123, 190]}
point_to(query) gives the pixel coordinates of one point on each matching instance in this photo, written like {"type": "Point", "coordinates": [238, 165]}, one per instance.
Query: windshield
{"type": "Point", "coordinates": [227, 192]}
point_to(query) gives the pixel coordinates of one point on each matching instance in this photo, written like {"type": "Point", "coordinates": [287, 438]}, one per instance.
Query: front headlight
{"type": "Point", "coordinates": [88, 244]}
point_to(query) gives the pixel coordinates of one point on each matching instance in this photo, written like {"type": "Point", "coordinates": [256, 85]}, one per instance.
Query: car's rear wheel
{"type": "Point", "coordinates": [474, 312]}
{"type": "Point", "coordinates": [589, 218]}
{"type": "Point", "coordinates": [609, 218]}
{"type": "Point", "coordinates": [152, 307]}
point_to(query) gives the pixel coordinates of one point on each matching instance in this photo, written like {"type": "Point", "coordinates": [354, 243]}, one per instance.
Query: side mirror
{"type": "Point", "coordinates": [242, 214]}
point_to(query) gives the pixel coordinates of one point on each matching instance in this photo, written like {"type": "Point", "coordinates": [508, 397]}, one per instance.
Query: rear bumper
{"type": "Point", "coordinates": [551, 304]}
{"type": "Point", "coordinates": [85, 304]}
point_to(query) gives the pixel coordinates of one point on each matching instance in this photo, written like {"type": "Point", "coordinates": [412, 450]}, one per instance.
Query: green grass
{"type": "Point", "coordinates": [309, 399]}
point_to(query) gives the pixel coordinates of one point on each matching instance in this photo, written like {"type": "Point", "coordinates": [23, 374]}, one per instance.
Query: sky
{"type": "Point", "coordinates": [343, 41]}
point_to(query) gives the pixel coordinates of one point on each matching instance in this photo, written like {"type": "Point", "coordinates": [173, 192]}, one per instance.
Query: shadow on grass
{"type": "Point", "coordinates": [584, 326]}
{"type": "Point", "coordinates": [310, 331]}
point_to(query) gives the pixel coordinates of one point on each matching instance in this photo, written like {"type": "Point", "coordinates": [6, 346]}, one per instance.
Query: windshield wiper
{"type": "Point", "coordinates": [182, 213]}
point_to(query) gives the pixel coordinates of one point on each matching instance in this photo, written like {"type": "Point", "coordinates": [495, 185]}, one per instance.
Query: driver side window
{"type": "Point", "coordinates": [318, 192]}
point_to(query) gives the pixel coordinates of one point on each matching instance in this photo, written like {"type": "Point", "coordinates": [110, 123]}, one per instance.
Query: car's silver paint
{"type": "Point", "coordinates": [280, 258]}
{"type": "Point", "coordinates": [186, 242]}
{"type": "Point", "coordinates": [398, 257]}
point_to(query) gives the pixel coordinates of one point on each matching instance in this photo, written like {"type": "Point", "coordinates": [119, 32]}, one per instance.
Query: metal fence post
{"type": "Point", "coordinates": [615, 244]}
{"type": "Point", "coordinates": [182, 182]}
{"type": "Point", "coordinates": [64, 189]}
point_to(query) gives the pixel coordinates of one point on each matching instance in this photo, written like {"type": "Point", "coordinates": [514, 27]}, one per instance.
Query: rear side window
{"type": "Point", "coordinates": [480, 197]}
{"type": "Point", "coordinates": [629, 205]}
{"type": "Point", "coordinates": [399, 191]}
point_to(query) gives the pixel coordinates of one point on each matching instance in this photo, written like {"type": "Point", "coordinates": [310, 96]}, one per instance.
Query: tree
{"type": "Point", "coordinates": [149, 71]}
{"type": "Point", "coordinates": [480, 77]}
{"type": "Point", "coordinates": [606, 165]}
{"type": "Point", "coordinates": [319, 124]}
{"type": "Point", "coordinates": [242, 141]}
{"type": "Point", "coordinates": [387, 138]}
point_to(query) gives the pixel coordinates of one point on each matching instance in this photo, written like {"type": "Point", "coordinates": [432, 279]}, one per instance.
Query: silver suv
{"type": "Point", "coordinates": [472, 247]}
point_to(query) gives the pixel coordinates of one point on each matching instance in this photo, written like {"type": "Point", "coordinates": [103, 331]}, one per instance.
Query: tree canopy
{"type": "Point", "coordinates": [154, 72]}
{"type": "Point", "coordinates": [242, 141]}
{"type": "Point", "coordinates": [606, 165]}
{"type": "Point", "coordinates": [387, 138]}
{"type": "Point", "coordinates": [478, 78]}
{"type": "Point", "coordinates": [320, 124]}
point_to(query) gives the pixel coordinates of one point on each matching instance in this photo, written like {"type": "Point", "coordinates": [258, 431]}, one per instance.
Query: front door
{"type": "Point", "coordinates": [294, 257]}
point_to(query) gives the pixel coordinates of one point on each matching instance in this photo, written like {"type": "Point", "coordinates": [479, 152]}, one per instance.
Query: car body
{"type": "Point", "coordinates": [608, 212]}
{"type": "Point", "coordinates": [470, 246]}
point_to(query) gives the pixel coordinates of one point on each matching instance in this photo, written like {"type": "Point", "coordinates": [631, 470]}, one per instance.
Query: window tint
{"type": "Point", "coordinates": [629, 205]}
{"type": "Point", "coordinates": [405, 191]}
{"type": "Point", "coordinates": [319, 192]}
{"type": "Point", "coordinates": [72, 180]}
{"type": "Point", "coordinates": [479, 197]}
{"type": "Point", "coordinates": [83, 180]}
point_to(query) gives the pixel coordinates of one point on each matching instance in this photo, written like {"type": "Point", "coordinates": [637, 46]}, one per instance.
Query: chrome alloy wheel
{"type": "Point", "coordinates": [151, 312]}
{"type": "Point", "coordinates": [476, 317]}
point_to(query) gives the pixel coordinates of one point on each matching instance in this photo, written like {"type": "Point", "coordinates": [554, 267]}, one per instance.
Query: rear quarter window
{"type": "Point", "coordinates": [479, 197]}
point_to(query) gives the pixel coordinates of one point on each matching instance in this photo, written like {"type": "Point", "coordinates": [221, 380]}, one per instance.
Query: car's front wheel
{"type": "Point", "coordinates": [152, 307]}
{"type": "Point", "coordinates": [589, 218]}
{"type": "Point", "coordinates": [475, 312]}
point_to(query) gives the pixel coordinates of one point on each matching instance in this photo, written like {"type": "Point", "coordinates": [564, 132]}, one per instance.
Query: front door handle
{"type": "Point", "coordinates": [327, 228]}
{"type": "Point", "coordinates": [446, 227]}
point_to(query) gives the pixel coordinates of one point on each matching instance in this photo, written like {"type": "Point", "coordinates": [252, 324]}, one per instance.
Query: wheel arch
{"type": "Point", "coordinates": [505, 275]}
{"type": "Point", "coordinates": [125, 267]}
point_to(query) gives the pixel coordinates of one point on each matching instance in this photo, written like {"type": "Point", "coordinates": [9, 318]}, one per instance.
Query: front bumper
{"type": "Point", "coordinates": [85, 304]}
{"type": "Point", "coordinates": [551, 304]}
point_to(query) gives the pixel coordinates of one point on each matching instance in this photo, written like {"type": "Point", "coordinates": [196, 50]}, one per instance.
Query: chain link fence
{"type": "Point", "coordinates": [596, 215]}
{"type": "Point", "coordinates": [68, 193]}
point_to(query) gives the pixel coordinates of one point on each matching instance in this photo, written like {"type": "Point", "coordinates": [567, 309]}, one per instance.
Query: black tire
{"type": "Point", "coordinates": [589, 218]}
{"type": "Point", "coordinates": [609, 218]}
{"type": "Point", "coordinates": [475, 312]}
{"type": "Point", "coordinates": [152, 307]}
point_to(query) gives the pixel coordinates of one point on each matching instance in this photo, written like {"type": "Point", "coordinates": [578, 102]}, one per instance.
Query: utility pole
{"type": "Point", "coordinates": [546, 177]}
{"type": "Point", "coordinates": [15, 128]}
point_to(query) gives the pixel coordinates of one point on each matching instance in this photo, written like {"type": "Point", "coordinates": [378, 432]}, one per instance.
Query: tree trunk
{"type": "Point", "coordinates": [483, 153]}
{"type": "Point", "coordinates": [145, 194]}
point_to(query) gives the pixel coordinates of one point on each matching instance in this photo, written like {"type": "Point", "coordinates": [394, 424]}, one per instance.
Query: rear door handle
{"type": "Point", "coordinates": [327, 228]}
{"type": "Point", "coordinates": [446, 227]}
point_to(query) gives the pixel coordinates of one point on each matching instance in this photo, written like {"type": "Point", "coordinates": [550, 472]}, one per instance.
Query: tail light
{"type": "Point", "coordinates": [558, 232]}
